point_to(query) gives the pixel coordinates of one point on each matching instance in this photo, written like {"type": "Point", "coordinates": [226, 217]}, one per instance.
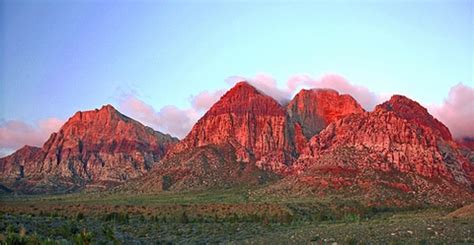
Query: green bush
{"type": "Point", "coordinates": [184, 219]}
{"type": "Point", "coordinates": [121, 217]}
{"type": "Point", "coordinates": [83, 238]}
{"type": "Point", "coordinates": [351, 218]}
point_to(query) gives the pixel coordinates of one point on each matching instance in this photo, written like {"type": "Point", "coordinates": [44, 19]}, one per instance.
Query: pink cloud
{"type": "Point", "coordinates": [168, 119]}
{"type": "Point", "coordinates": [266, 84]}
{"type": "Point", "coordinates": [457, 111]}
{"type": "Point", "coordinates": [205, 99]}
{"type": "Point", "coordinates": [14, 134]}
{"type": "Point", "coordinates": [368, 99]}
{"type": "Point", "coordinates": [269, 86]}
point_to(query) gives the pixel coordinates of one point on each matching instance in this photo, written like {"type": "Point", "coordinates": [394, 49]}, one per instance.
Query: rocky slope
{"type": "Point", "coordinates": [98, 146]}
{"type": "Point", "coordinates": [254, 124]}
{"type": "Point", "coordinates": [314, 109]}
{"type": "Point", "coordinates": [398, 145]}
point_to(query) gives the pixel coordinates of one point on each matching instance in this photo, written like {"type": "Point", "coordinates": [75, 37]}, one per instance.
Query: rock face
{"type": "Point", "coordinates": [398, 136]}
{"type": "Point", "coordinates": [413, 112]}
{"type": "Point", "coordinates": [14, 163]}
{"type": "Point", "coordinates": [314, 109]}
{"type": "Point", "coordinates": [92, 146]}
{"type": "Point", "coordinates": [208, 166]}
{"type": "Point", "coordinates": [253, 123]}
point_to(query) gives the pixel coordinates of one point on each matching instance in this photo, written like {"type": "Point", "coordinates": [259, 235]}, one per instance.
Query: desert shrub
{"type": "Point", "coordinates": [15, 239]}
{"type": "Point", "coordinates": [352, 241]}
{"type": "Point", "coordinates": [284, 218]}
{"type": "Point", "coordinates": [11, 229]}
{"type": "Point", "coordinates": [184, 219]}
{"type": "Point", "coordinates": [109, 234]}
{"type": "Point", "coordinates": [121, 217]}
{"type": "Point", "coordinates": [83, 238]}
{"type": "Point", "coordinates": [80, 216]}
{"type": "Point", "coordinates": [351, 218]}
{"type": "Point", "coordinates": [67, 230]}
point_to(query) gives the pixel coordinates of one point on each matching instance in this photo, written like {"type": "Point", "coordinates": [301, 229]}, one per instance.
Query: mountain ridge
{"type": "Point", "coordinates": [321, 139]}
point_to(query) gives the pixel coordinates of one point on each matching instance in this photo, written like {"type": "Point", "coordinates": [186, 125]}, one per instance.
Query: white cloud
{"type": "Point", "coordinates": [457, 111]}
{"type": "Point", "coordinates": [14, 133]}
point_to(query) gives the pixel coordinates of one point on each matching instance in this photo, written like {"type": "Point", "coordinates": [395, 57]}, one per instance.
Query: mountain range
{"type": "Point", "coordinates": [320, 142]}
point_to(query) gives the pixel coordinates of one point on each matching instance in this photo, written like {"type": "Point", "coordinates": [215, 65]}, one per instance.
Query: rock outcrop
{"type": "Point", "coordinates": [254, 124]}
{"type": "Point", "coordinates": [98, 146]}
{"type": "Point", "coordinates": [398, 136]}
{"type": "Point", "coordinates": [14, 163]}
{"type": "Point", "coordinates": [314, 109]}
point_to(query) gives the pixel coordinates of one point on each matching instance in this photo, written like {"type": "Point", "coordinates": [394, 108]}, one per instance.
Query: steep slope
{"type": "Point", "coordinates": [412, 111]}
{"type": "Point", "coordinates": [14, 163]}
{"type": "Point", "coordinates": [314, 109]}
{"type": "Point", "coordinates": [209, 166]}
{"type": "Point", "coordinates": [398, 147]}
{"type": "Point", "coordinates": [253, 123]}
{"type": "Point", "coordinates": [92, 147]}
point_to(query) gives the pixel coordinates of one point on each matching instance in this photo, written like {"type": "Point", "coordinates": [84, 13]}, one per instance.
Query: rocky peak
{"type": "Point", "coordinates": [16, 161]}
{"type": "Point", "coordinates": [412, 111]}
{"type": "Point", "coordinates": [244, 98]}
{"type": "Point", "coordinates": [314, 109]}
{"type": "Point", "coordinates": [391, 139]}
{"type": "Point", "coordinates": [254, 123]}
{"type": "Point", "coordinates": [96, 145]}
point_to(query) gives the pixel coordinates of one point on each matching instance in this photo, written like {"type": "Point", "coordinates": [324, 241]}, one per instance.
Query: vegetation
{"type": "Point", "coordinates": [218, 216]}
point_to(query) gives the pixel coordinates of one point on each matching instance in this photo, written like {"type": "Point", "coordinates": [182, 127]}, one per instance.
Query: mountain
{"type": "Point", "coordinates": [202, 167]}
{"type": "Point", "coordinates": [398, 146]}
{"type": "Point", "coordinates": [14, 163]}
{"type": "Point", "coordinates": [321, 143]}
{"type": "Point", "coordinates": [97, 147]}
{"type": "Point", "coordinates": [314, 109]}
{"type": "Point", "coordinates": [254, 124]}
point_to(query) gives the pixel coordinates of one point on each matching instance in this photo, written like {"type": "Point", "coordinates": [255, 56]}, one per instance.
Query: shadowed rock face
{"type": "Point", "coordinates": [391, 139]}
{"type": "Point", "coordinates": [252, 122]}
{"type": "Point", "coordinates": [12, 163]}
{"type": "Point", "coordinates": [314, 109]}
{"type": "Point", "coordinates": [93, 146]}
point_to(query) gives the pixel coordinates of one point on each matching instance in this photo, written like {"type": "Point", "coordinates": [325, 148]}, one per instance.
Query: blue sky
{"type": "Point", "coordinates": [58, 57]}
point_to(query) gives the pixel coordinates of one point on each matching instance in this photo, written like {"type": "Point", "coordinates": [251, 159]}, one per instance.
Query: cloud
{"type": "Point", "coordinates": [266, 84]}
{"type": "Point", "coordinates": [14, 133]}
{"type": "Point", "coordinates": [205, 99]}
{"type": "Point", "coordinates": [368, 99]}
{"type": "Point", "coordinates": [169, 119]}
{"type": "Point", "coordinates": [457, 111]}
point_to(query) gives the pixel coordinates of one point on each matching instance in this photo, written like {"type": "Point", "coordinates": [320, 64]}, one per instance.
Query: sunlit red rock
{"type": "Point", "coordinates": [252, 122]}
{"type": "Point", "coordinates": [99, 145]}
{"type": "Point", "coordinates": [391, 139]}
{"type": "Point", "coordinates": [412, 111]}
{"type": "Point", "coordinates": [314, 109]}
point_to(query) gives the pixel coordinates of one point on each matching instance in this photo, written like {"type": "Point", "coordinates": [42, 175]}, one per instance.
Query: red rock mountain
{"type": "Point", "coordinates": [314, 109]}
{"type": "Point", "coordinates": [320, 141]}
{"type": "Point", "coordinates": [399, 138]}
{"type": "Point", "coordinates": [252, 122]}
{"type": "Point", "coordinates": [410, 110]}
{"type": "Point", "coordinates": [92, 146]}
{"type": "Point", "coordinates": [14, 163]}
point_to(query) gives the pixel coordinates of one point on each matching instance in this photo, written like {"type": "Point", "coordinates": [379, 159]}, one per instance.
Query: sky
{"type": "Point", "coordinates": [164, 62]}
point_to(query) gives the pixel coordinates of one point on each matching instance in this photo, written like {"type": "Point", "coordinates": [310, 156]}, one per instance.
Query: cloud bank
{"type": "Point", "coordinates": [15, 134]}
{"type": "Point", "coordinates": [168, 119]}
{"type": "Point", "coordinates": [457, 111]}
